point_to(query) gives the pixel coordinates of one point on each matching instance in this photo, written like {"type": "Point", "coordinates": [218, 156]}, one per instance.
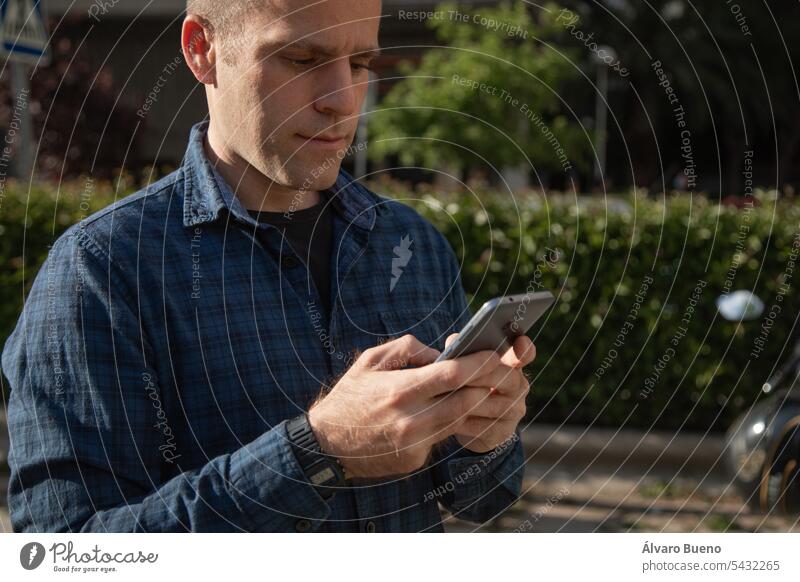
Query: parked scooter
{"type": "Point", "coordinates": [763, 445]}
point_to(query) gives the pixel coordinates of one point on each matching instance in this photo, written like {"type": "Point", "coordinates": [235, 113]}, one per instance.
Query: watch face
{"type": "Point", "coordinates": [323, 476]}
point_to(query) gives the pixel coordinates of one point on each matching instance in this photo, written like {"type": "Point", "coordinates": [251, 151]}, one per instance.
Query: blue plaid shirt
{"type": "Point", "coordinates": [168, 338]}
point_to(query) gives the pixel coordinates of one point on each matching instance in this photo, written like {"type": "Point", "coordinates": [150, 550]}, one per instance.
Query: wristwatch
{"type": "Point", "coordinates": [323, 471]}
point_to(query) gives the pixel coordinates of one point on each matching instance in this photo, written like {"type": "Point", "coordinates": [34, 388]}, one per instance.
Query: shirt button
{"type": "Point", "coordinates": [371, 527]}
{"type": "Point", "coordinates": [302, 525]}
{"type": "Point", "coordinates": [289, 262]}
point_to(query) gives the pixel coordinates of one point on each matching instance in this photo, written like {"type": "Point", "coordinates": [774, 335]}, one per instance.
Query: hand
{"type": "Point", "coordinates": [508, 387]}
{"type": "Point", "coordinates": [381, 420]}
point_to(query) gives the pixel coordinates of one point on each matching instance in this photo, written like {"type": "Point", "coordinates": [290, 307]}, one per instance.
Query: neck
{"type": "Point", "coordinates": [253, 189]}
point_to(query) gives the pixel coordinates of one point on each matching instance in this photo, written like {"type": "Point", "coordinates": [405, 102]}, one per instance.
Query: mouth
{"type": "Point", "coordinates": [327, 142]}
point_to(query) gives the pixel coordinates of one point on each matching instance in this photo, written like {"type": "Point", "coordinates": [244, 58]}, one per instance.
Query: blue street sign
{"type": "Point", "coordinates": [23, 31]}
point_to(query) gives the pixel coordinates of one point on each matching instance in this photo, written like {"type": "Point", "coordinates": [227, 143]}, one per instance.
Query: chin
{"type": "Point", "coordinates": [317, 176]}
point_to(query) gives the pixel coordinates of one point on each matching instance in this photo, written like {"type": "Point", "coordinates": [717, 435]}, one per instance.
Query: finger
{"type": "Point", "coordinates": [449, 375]}
{"type": "Point", "coordinates": [503, 379]}
{"type": "Point", "coordinates": [522, 387]}
{"type": "Point", "coordinates": [486, 429]}
{"type": "Point", "coordinates": [450, 339]}
{"type": "Point", "coordinates": [514, 384]}
{"type": "Point", "coordinates": [521, 353]}
{"type": "Point", "coordinates": [469, 401]}
{"type": "Point", "coordinates": [398, 354]}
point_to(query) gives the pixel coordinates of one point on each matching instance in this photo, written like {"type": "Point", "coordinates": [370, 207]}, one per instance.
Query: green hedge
{"type": "Point", "coordinates": [31, 219]}
{"type": "Point", "coordinates": [676, 363]}
{"type": "Point", "coordinates": [606, 250]}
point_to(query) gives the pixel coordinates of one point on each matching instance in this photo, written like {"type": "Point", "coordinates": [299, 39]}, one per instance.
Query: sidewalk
{"type": "Point", "coordinates": [687, 453]}
{"type": "Point", "coordinates": [603, 480]}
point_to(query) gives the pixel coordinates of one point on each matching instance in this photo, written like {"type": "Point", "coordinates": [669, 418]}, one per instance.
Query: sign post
{"type": "Point", "coordinates": [24, 44]}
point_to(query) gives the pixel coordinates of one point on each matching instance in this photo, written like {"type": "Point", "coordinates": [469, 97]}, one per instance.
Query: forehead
{"type": "Point", "coordinates": [339, 27]}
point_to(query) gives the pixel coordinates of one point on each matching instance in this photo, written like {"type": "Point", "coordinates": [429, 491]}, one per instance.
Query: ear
{"type": "Point", "coordinates": [199, 50]}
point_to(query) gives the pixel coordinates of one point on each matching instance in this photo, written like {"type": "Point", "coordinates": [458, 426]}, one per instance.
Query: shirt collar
{"type": "Point", "coordinates": [206, 194]}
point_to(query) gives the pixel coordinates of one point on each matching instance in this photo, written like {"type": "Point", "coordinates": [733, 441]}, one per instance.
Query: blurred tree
{"type": "Point", "coordinates": [492, 96]}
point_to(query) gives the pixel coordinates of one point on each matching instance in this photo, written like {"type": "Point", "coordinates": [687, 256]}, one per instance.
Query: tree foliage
{"type": "Point", "coordinates": [490, 97]}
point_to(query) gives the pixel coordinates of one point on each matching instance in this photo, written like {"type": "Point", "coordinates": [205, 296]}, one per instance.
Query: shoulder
{"type": "Point", "coordinates": [133, 216]}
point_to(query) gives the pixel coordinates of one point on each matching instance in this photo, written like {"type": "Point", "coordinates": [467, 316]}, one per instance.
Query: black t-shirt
{"type": "Point", "coordinates": [309, 233]}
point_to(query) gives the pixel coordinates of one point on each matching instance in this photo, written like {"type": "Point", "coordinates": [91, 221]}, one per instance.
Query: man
{"type": "Point", "coordinates": [184, 361]}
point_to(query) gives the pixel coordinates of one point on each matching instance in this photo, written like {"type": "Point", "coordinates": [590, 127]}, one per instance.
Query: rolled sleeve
{"type": "Point", "coordinates": [479, 486]}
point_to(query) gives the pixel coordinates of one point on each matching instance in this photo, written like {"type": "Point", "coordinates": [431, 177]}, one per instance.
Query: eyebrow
{"type": "Point", "coordinates": [311, 46]}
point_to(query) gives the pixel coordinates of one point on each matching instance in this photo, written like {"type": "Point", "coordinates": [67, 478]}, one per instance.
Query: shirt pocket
{"type": "Point", "coordinates": [429, 326]}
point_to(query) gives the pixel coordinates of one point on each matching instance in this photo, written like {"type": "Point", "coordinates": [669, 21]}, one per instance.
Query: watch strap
{"type": "Point", "coordinates": [323, 471]}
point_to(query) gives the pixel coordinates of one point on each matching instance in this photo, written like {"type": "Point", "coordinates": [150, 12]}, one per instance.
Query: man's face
{"type": "Point", "coordinates": [295, 71]}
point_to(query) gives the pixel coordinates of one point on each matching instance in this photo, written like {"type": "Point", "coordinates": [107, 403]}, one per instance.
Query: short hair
{"type": "Point", "coordinates": [223, 18]}
{"type": "Point", "coordinates": [221, 15]}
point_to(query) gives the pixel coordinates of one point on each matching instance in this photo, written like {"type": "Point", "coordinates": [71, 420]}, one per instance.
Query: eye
{"type": "Point", "coordinates": [360, 67]}
{"type": "Point", "coordinates": [302, 62]}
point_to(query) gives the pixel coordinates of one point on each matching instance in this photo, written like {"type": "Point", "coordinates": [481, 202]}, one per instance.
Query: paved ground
{"type": "Point", "coordinates": [617, 502]}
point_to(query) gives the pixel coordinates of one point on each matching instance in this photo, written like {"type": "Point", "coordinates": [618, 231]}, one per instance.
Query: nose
{"type": "Point", "coordinates": [337, 94]}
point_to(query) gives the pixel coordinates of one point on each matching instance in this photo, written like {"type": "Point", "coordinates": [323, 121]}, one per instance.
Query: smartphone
{"type": "Point", "coordinates": [498, 323]}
